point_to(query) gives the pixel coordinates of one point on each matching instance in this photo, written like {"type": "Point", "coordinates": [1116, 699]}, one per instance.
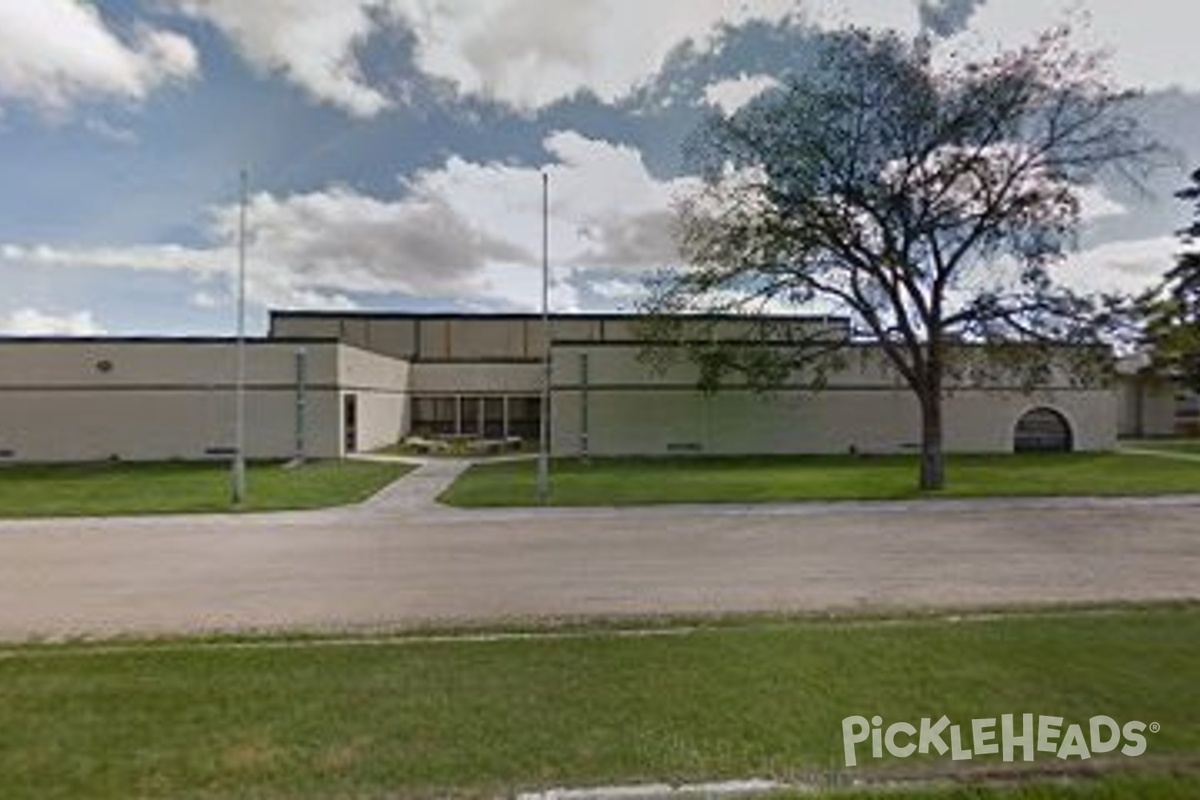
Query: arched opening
{"type": "Point", "coordinates": [1043, 430]}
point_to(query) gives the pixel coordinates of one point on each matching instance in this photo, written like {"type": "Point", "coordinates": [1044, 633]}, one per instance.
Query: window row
{"type": "Point", "coordinates": [488, 417]}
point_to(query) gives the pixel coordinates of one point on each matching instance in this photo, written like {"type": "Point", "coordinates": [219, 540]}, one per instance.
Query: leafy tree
{"type": "Point", "coordinates": [923, 201]}
{"type": "Point", "coordinates": [1172, 311]}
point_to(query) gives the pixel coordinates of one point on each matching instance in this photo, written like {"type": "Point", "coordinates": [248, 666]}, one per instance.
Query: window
{"type": "Point", "coordinates": [491, 417]}
{"type": "Point", "coordinates": [524, 417]}
{"type": "Point", "coordinates": [434, 416]}
{"type": "Point", "coordinates": [469, 422]}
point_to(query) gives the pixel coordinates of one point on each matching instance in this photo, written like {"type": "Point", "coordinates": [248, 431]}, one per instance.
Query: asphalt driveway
{"type": "Point", "coordinates": [401, 561]}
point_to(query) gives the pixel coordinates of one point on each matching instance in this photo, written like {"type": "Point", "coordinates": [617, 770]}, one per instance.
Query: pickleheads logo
{"type": "Point", "coordinates": [1026, 735]}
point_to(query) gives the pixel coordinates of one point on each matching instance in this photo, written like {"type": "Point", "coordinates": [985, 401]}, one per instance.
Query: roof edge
{"type": "Point", "coordinates": [276, 313]}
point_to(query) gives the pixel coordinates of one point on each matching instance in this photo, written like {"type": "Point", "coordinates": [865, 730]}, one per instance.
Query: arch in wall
{"type": "Point", "coordinates": [1043, 430]}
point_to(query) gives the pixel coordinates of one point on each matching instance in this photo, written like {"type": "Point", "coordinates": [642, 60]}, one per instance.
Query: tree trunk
{"type": "Point", "coordinates": [933, 462]}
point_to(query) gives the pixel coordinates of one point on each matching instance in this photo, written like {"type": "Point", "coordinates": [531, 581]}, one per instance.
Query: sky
{"type": "Point", "coordinates": [394, 149]}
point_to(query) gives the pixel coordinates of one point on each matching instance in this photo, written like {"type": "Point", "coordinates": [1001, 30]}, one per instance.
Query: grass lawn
{"type": "Point", "coordinates": [628, 481]}
{"type": "Point", "coordinates": [105, 489]}
{"type": "Point", "coordinates": [399, 717]}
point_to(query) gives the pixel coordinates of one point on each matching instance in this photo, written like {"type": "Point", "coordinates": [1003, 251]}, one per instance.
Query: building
{"type": "Point", "coordinates": [469, 372]}
{"type": "Point", "coordinates": [1151, 405]}
{"type": "Point", "coordinates": [324, 384]}
{"type": "Point", "coordinates": [166, 398]}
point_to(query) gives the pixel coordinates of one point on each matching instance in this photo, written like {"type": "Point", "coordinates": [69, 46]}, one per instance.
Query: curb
{"type": "Point", "coordinates": [658, 791]}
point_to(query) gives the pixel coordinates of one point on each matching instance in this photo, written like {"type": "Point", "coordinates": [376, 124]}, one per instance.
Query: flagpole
{"type": "Point", "coordinates": [543, 463]}
{"type": "Point", "coordinates": [239, 456]}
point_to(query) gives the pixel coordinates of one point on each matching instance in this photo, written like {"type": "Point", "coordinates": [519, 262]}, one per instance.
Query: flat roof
{"type": "Point", "coordinates": [536, 316]}
{"type": "Point", "coordinates": [183, 339]}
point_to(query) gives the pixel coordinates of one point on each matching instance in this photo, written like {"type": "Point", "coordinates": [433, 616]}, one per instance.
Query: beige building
{"type": "Point", "coordinates": [161, 399]}
{"type": "Point", "coordinates": [1151, 406]}
{"type": "Point", "coordinates": [483, 375]}
{"type": "Point", "coordinates": [324, 384]}
{"type": "Point", "coordinates": [607, 403]}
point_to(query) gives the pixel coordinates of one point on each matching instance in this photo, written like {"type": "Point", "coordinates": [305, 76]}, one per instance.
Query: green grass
{"type": "Point", "coordinates": [106, 489]}
{"type": "Point", "coordinates": [418, 717]}
{"type": "Point", "coordinates": [628, 481]}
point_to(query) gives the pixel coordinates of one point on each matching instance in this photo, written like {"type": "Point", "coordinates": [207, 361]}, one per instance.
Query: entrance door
{"type": "Point", "coordinates": [350, 422]}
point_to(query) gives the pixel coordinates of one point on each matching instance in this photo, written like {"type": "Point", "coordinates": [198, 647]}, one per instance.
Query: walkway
{"type": "Point", "coordinates": [417, 492]}
{"type": "Point", "coordinates": [1171, 454]}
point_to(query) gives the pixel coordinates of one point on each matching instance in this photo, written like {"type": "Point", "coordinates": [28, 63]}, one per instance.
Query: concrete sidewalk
{"type": "Point", "coordinates": [418, 490]}
{"type": "Point", "coordinates": [1177, 456]}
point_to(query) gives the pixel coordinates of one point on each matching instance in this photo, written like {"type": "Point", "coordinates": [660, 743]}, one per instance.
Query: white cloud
{"type": "Point", "coordinates": [154, 258]}
{"type": "Point", "coordinates": [730, 95]}
{"type": "Point", "coordinates": [113, 133]}
{"type": "Point", "coordinates": [606, 209]}
{"type": "Point", "coordinates": [525, 53]}
{"type": "Point", "coordinates": [312, 42]}
{"type": "Point", "coordinates": [1128, 266]}
{"type": "Point", "coordinates": [622, 293]}
{"type": "Point", "coordinates": [467, 231]}
{"type": "Point", "coordinates": [32, 322]}
{"type": "Point", "coordinates": [1094, 204]}
{"type": "Point", "coordinates": [55, 53]}
{"type": "Point", "coordinates": [340, 240]}
{"type": "Point", "coordinates": [1152, 45]}
{"type": "Point", "coordinates": [529, 53]}
{"type": "Point", "coordinates": [207, 300]}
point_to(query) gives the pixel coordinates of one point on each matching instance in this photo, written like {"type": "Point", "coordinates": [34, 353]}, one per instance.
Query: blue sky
{"type": "Point", "coordinates": [395, 147]}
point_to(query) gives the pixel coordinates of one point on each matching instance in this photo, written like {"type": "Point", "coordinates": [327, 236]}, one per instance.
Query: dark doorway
{"type": "Point", "coordinates": [1043, 430]}
{"type": "Point", "coordinates": [350, 422]}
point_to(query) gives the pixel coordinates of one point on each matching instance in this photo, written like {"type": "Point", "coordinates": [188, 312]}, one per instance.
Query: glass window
{"type": "Point", "coordinates": [469, 420]}
{"type": "Point", "coordinates": [434, 416]}
{"type": "Point", "coordinates": [493, 417]}
{"type": "Point", "coordinates": [524, 416]}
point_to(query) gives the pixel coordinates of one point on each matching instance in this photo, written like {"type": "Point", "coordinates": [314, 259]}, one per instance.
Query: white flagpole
{"type": "Point", "coordinates": [239, 456]}
{"type": "Point", "coordinates": [543, 464]}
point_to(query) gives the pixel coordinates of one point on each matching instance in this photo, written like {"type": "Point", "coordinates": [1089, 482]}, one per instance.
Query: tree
{"type": "Point", "coordinates": [1172, 310]}
{"type": "Point", "coordinates": [924, 202]}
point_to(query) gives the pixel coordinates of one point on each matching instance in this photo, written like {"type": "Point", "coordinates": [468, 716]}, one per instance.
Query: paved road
{"type": "Point", "coordinates": [397, 561]}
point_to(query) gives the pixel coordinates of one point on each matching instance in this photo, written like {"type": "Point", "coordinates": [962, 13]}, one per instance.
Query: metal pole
{"type": "Point", "coordinates": [239, 455]}
{"type": "Point", "coordinates": [584, 381]}
{"type": "Point", "coordinates": [543, 464]}
{"type": "Point", "coordinates": [301, 400]}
